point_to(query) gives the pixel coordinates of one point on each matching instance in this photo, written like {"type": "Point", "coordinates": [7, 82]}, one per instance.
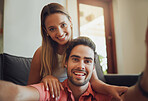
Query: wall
{"type": "Point", "coordinates": [72, 9]}
{"type": "Point", "coordinates": [22, 25]}
{"type": "Point", "coordinates": [130, 17]}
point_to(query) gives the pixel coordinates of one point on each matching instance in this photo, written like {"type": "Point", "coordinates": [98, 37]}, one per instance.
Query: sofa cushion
{"type": "Point", "coordinates": [16, 69]}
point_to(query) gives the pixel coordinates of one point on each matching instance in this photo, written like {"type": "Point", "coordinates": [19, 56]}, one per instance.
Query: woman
{"type": "Point", "coordinates": [46, 66]}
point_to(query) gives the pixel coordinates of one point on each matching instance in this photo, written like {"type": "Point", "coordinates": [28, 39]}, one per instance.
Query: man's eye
{"type": "Point", "coordinates": [88, 61]}
{"type": "Point", "coordinates": [63, 25]}
{"type": "Point", "coordinates": [75, 59]}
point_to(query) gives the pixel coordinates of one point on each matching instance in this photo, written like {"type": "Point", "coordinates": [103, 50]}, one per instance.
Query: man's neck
{"type": "Point", "coordinates": [77, 91]}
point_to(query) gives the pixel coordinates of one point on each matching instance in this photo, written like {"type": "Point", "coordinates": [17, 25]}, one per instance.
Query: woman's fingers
{"type": "Point", "coordinates": [51, 89]}
{"type": "Point", "coordinates": [53, 85]}
{"type": "Point", "coordinates": [45, 84]}
{"type": "Point", "coordinates": [61, 87]}
{"type": "Point", "coordinates": [117, 92]}
{"type": "Point", "coordinates": [56, 88]}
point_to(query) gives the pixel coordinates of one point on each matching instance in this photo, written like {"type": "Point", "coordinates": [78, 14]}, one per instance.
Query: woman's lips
{"type": "Point", "coordinates": [62, 36]}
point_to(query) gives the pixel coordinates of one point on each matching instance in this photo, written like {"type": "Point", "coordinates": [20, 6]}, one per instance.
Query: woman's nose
{"type": "Point", "coordinates": [60, 32]}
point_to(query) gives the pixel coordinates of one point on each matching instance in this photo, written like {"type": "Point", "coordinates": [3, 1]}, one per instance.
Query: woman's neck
{"type": "Point", "coordinates": [60, 49]}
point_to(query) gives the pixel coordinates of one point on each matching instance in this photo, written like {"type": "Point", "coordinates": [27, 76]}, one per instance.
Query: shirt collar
{"type": "Point", "coordinates": [88, 92]}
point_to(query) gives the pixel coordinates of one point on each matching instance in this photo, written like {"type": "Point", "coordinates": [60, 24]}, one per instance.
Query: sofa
{"type": "Point", "coordinates": [16, 69]}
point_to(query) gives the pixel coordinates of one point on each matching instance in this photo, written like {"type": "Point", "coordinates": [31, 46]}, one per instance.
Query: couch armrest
{"type": "Point", "coordinates": [121, 80]}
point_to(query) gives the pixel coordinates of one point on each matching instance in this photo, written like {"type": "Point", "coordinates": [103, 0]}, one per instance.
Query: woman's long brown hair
{"type": "Point", "coordinates": [49, 58]}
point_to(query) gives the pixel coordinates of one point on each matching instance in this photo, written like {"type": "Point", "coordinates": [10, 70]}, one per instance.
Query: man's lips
{"type": "Point", "coordinates": [80, 73]}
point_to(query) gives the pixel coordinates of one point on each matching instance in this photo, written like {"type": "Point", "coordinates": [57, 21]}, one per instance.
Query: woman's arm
{"type": "Point", "coordinates": [104, 88]}
{"type": "Point", "coordinates": [50, 82]}
{"type": "Point", "coordinates": [34, 75]}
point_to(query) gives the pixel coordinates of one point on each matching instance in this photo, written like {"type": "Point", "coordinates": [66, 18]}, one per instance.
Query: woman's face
{"type": "Point", "coordinates": [58, 27]}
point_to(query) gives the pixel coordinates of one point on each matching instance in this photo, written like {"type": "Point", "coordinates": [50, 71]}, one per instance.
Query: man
{"type": "Point", "coordinates": [79, 61]}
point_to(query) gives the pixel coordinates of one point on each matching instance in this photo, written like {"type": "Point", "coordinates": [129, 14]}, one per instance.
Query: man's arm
{"type": "Point", "coordinates": [12, 92]}
{"type": "Point", "coordinates": [139, 92]}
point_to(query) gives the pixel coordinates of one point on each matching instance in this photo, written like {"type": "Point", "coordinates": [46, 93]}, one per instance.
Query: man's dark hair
{"type": "Point", "coordinates": [80, 41]}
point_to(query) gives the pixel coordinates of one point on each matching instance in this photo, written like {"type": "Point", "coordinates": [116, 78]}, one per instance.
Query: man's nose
{"type": "Point", "coordinates": [81, 65]}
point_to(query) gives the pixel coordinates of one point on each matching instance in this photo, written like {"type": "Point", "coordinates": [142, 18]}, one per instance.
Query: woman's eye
{"type": "Point", "coordinates": [63, 25]}
{"type": "Point", "coordinates": [51, 29]}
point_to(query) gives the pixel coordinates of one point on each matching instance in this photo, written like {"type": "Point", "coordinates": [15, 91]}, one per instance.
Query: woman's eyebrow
{"type": "Point", "coordinates": [62, 22]}
{"type": "Point", "coordinates": [50, 27]}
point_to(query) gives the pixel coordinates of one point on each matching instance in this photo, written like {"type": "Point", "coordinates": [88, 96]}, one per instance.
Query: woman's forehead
{"type": "Point", "coordinates": [56, 18]}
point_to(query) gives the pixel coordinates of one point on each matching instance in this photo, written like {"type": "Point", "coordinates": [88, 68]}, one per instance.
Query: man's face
{"type": "Point", "coordinates": [80, 65]}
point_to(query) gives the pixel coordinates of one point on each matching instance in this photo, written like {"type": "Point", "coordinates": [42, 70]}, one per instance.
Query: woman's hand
{"type": "Point", "coordinates": [116, 92]}
{"type": "Point", "coordinates": [52, 84]}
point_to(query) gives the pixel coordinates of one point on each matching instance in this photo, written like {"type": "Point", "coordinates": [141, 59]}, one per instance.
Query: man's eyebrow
{"type": "Point", "coordinates": [79, 57]}
{"type": "Point", "coordinates": [75, 56]}
{"type": "Point", "coordinates": [88, 58]}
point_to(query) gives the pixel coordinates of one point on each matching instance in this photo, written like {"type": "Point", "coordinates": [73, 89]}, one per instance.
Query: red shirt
{"type": "Point", "coordinates": [66, 94]}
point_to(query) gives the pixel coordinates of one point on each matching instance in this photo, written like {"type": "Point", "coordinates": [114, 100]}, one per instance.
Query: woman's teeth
{"type": "Point", "coordinates": [62, 36]}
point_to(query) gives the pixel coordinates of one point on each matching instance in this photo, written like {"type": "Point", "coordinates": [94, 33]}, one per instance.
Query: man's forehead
{"type": "Point", "coordinates": [82, 51]}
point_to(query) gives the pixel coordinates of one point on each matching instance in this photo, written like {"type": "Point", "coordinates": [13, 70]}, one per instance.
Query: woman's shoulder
{"type": "Point", "coordinates": [37, 53]}
{"type": "Point", "coordinates": [39, 49]}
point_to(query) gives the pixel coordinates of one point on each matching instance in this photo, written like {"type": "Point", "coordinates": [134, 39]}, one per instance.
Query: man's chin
{"type": "Point", "coordinates": [78, 82]}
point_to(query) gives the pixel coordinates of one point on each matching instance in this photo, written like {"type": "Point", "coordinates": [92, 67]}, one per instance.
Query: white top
{"type": "Point", "coordinates": [60, 72]}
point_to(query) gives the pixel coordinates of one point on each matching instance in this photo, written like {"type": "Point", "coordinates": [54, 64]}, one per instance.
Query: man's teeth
{"type": "Point", "coordinates": [78, 73]}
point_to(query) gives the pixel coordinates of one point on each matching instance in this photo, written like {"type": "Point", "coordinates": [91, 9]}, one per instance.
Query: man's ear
{"type": "Point", "coordinates": [65, 65]}
{"type": "Point", "coordinates": [93, 67]}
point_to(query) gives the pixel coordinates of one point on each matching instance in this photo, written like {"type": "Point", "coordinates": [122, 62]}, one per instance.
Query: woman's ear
{"type": "Point", "coordinates": [45, 31]}
{"type": "Point", "coordinates": [70, 20]}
